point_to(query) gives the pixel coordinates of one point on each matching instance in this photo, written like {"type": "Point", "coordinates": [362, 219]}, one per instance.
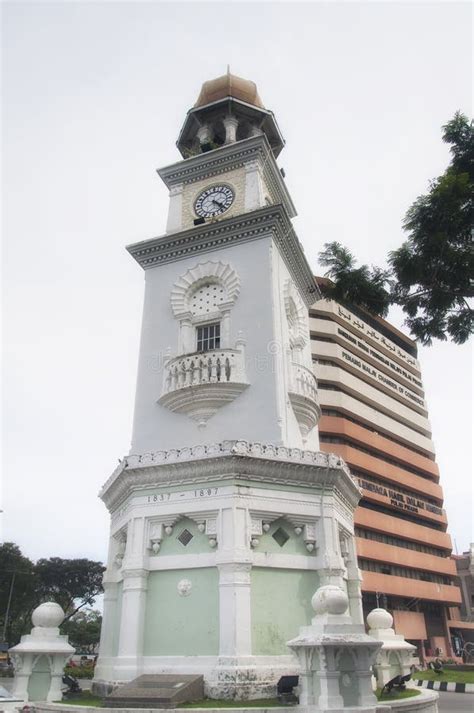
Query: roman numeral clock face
{"type": "Point", "coordinates": [214, 201]}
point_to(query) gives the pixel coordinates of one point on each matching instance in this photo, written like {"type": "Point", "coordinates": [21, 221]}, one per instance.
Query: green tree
{"type": "Point", "coordinates": [434, 268]}
{"type": "Point", "coordinates": [431, 274]}
{"type": "Point", "coordinates": [72, 583]}
{"type": "Point", "coordinates": [83, 630]}
{"type": "Point", "coordinates": [364, 286]}
{"type": "Point", "coordinates": [17, 592]}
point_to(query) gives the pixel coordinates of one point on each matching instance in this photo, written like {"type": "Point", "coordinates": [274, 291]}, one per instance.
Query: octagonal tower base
{"type": "Point", "coordinates": [215, 553]}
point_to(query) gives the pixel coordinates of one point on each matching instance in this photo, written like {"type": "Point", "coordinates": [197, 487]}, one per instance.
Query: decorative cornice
{"type": "Point", "coordinates": [227, 158]}
{"type": "Point", "coordinates": [230, 460]}
{"type": "Point", "coordinates": [271, 220]}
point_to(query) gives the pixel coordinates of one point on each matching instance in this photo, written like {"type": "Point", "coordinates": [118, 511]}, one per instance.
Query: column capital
{"type": "Point", "coordinates": [134, 578]}
{"type": "Point", "coordinates": [176, 189]}
{"type": "Point", "coordinates": [234, 574]}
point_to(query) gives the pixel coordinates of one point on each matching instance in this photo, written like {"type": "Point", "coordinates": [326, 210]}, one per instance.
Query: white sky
{"type": "Point", "coordinates": [94, 95]}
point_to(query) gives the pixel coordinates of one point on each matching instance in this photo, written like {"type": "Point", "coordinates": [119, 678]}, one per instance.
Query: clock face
{"type": "Point", "coordinates": [214, 201]}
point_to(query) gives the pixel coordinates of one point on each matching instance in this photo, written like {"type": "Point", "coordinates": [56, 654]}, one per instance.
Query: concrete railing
{"type": "Point", "coordinates": [211, 367]}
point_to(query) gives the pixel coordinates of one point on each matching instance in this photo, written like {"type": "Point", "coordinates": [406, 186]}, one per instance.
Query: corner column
{"type": "Point", "coordinates": [108, 619]}
{"type": "Point", "coordinates": [175, 210]}
{"type": "Point", "coordinates": [132, 621]}
{"type": "Point", "coordinates": [235, 615]}
{"type": "Point", "coordinates": [253, 186]}
{"type": "Point", "coordinates": [354, 582]}
{"type": "Point", "coordinates": [235, 619]}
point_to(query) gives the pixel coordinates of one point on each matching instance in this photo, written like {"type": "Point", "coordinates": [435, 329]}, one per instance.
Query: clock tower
{"type": "Point", "coordinates": [225, 516]}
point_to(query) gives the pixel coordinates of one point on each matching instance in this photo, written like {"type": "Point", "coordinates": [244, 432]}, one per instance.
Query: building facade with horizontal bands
{"type": "Point", "coordinates": [375, 416]}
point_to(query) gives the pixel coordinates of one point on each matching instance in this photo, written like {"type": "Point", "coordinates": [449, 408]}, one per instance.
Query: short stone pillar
{"type": "Point", "coordinates": [395, 657]}
{"type": "Point", "coordinates": [40, 657]}
{"type": "Point", "coordinates": [335, 657]}
{"type": "Point", "coordinates": [231, 124]}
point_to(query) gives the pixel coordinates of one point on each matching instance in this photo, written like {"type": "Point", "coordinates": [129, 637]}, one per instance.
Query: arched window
{"type": "Point", "coordinates": [202, 299]}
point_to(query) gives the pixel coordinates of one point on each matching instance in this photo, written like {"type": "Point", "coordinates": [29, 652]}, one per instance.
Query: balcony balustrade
{"type": "Point", "coordinates": [198, 384]}
{"type": "Point", "coordinates": [303, 393]}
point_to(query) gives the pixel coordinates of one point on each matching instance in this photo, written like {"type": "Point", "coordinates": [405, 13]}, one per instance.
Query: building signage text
{"type": "Point", "coordinates": [399, 500]}
{"type": "Point", "coordinates": [383, 379]}
{"type": "Point", "coordinates": [373, 334]}
{"type": "Point", "coordinates": [376, 355]}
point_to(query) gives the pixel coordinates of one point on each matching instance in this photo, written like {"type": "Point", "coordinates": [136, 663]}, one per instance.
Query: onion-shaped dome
{"type": "Point", "coordinates": [229, 85]}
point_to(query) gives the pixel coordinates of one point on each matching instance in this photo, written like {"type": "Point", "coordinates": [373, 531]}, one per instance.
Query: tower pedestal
{"type": "Point", "coordinates": [335, 657]}
{"type": "Point", "coordinates": [216, 552]}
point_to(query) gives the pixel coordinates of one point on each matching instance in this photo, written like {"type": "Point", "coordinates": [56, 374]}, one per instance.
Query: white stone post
{"type": "Point", "coordinates": [44, 641]}
{"type": "Point", "coordinates": [255, 130]}
{"type": "Point", "coordinates": [57, 668]}
{"type": "Point", "coordinates": [204, 134]}
{"type": "Point", "coordinates": [230, 124]}
{"type": "Point", "coordinates": [22, 665]}
{"type": "Point", "coordinates": [187, 339]}
{"type": "Point", "coordinates": [175, 210]}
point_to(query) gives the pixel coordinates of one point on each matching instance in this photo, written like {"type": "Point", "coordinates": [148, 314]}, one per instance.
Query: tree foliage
{"type": "Point", "coordinates": [17, 578]}
{"type": "Point", "coordinates": [83, 630]}
{"type": "Point", "coordinates": [431, 274]}
{"type": "Point", "coordinates": [364, 286]}
{"type": "Point", "coordinates": [434, 268]}
{"type": "Point", "coordinates": [72, 583]}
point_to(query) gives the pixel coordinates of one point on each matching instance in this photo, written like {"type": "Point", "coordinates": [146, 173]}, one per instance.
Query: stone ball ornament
{"type": "Point", "coordinates": [379, 619]}
{"type": "Point", "coordinates": [48, 615]}
{"type": "Point", "coordinates": [329, 599]}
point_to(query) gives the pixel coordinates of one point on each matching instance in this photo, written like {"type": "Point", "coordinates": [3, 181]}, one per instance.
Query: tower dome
{"type": "Point", "coordinates": [228, 109]}
{"type": "Point", "coordinates": [229, 85]}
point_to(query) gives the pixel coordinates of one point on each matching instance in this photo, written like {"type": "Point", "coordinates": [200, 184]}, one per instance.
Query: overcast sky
{"type": "Point", "coordinates": [94, 95]}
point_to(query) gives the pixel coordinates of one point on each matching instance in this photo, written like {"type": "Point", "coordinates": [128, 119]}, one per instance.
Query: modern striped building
{"type": "Point", "coordinates": [375, 416]}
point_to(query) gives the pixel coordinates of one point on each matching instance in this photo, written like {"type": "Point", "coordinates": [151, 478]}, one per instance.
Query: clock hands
{"type": "Point", "coordinates": [221, 205]}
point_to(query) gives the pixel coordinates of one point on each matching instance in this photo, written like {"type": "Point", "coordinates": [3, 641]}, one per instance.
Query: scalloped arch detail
{"type": "Point", "coordinates": [295, 313]}
{"type": "Point", "coordinates": [218, 272]}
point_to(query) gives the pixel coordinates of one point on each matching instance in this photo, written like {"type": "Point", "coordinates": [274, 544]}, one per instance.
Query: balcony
{"type": "Point", "coordinates": [412, 588]}
{"type": "Point", "coordinates": [303, 393]}
{"type": "Point", "coordinates": [199, 384]}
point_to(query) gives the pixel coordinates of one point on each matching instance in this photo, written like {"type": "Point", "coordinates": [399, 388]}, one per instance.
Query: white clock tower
{"type": "Point", "coordinates": [225, 517]}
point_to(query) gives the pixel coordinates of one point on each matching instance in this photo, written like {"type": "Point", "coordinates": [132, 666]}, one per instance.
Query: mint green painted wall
{"type": "Point", "coordinates": [182, 626]}
{"type": "Point", "coordinates": [170, 545]}
{"type": "Point", "coordinates": [281, 603]}
{"type": "Point", "coordinates": [40, 680]}
{"type": "Point", "coordinates": [293, 546]}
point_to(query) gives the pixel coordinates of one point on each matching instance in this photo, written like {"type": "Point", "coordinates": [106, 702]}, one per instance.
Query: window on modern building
{"type": "Point", "coordinates": [208, 337]}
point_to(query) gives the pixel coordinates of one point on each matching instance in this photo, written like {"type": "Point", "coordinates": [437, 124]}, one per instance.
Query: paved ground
{"type": "Point", "coordinates": [456, 702]}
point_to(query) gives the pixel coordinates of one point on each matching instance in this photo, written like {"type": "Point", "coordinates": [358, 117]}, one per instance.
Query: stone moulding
{"type": "Point", "coordinates": [230, 460]}
{"type": "Point", "coordinates": [201, 401]}
{"type": "Point", "coordinates": [271, 221]}
{"type": "Point", "coordinates": [226, 159]}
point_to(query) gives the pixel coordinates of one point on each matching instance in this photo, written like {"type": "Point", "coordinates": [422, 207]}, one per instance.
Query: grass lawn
{"type": "Point", "coordinates": [449, 676]}
{"type": "Point", "coordinates": [84, 699]}
{"type": "Point", "coordinates": [396, 695]}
